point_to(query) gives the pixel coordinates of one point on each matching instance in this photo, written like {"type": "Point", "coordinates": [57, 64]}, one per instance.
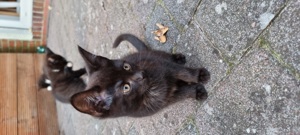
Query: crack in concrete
{"type": "Point", "coordinates": [151, 14]}
{"type": "Point", "coordinates": [190, 120]}
{"type": "Point", "coordinates": [211, 43]}
{"type": "Point", "coordinates": [246, 50]}
{"type": "Point", "coordinates": [263, 43]}
{"type": "Point", "coordinates": [221, 55]}
{"type": "Point", "coordinates": [194, 13]}
{"type": "Point", "coordinates": [131, 126]}
{"type": "Point", "coordinates": [172, 19]}
{"type": "Point", "coordinates": [231, 64]}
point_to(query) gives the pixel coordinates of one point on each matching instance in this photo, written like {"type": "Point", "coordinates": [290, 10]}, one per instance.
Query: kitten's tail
{"type": "Point", "coordinates": [136, 42]}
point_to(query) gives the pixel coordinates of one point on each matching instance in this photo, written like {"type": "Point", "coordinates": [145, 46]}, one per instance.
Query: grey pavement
{"type": "Point", "coordinates": [251, 48]}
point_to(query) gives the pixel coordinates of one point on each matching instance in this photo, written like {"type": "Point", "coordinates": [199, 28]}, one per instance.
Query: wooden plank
{"type": "Point", "coordinates": [27, 106]}
{"type": "Point", "coordinates": [9, 9]}
{"type": "Point", "coordinates": [48, 123]}
{"type": "Point", "coordinates": [9, 13]}
{"type": "Point", "coordinates": [8, 94]}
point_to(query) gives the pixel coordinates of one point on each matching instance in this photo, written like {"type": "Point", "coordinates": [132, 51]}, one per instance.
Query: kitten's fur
{"type": "Point", "coordinates": [139, 84]}
{"type": "Point", "coordinates": [64, 81]}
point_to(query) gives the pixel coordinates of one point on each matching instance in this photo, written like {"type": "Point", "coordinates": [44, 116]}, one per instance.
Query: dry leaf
{"type": "Point", "coordinates": [159, 25]}
{"type": "Point", "coordinates": [164, 30]}
{"type": "Point", "coordinates": [157, 38]}
{"type": "Point", "coordinates": [162, 39]}
{"type": "Point", "coordinates": [159, 34]}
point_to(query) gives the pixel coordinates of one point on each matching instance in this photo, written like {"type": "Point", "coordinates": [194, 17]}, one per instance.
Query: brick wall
{"type": "Point", "coordinates": [39, 31]}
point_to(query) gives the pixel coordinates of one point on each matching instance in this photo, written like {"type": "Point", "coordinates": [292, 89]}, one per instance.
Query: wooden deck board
{"type": "Point", "coordinates": [8, 94]}
{"type": "Point", "coordinates": [27, 98]}
{"type": "Point", "coordinates": [48, 124]}
{"type": "Point", "coordinates": [25, 110]}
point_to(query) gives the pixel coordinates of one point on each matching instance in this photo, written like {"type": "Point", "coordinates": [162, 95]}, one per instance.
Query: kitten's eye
{"type": "Point", "coordinates": [126, 89]}
{"type": "Point", "coordinates": [126, 66]}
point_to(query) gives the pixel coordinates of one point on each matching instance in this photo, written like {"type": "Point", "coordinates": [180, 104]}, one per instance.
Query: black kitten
{"type": "Point", "coordinates": [59, 77]}
{"type": "Point", "coordinates": [139, 84]}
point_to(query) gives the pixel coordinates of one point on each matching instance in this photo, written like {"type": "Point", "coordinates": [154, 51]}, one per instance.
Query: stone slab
{"type": "Point", "coordinates": [283, 37]}
{"type": "Point", "coordinates": [259, 97]}
{"type": "Point", "coordinates": [234, 25]}
{"type": "Point", "coordinates": [200, 53]}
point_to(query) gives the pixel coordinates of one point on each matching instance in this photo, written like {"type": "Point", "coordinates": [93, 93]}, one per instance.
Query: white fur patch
{"type": "Point", "coordinates": [49, 88]}
{"type": "Point", "coordinates": [70, 64]}
{"type": "Point", "coordinates": [55, 70]}
{"type": "Point", "coordinates": [51, 59]}
{"type": "Point", "coordinates": [47, 81]}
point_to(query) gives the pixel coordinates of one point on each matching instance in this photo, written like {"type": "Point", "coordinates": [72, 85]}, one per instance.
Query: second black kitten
{"type": "Point", "coordinates": [59, 77]}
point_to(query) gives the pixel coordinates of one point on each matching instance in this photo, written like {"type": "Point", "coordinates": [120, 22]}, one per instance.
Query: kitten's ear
{"type": "Point", "coordinates": [85, 103]}
{"type": "Point", "coordinates": [93, 62]}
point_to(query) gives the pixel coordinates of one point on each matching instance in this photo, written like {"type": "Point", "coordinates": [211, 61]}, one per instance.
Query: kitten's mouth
{"type": "Point", "coordinates": [102, 102]}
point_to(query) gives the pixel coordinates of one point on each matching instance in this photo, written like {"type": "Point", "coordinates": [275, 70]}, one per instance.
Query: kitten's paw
{"type": "Point", "coordinates": [179, 58]}
{"type": "Point", "coordinates": [47, 81]}
{"type": "Point", "coordinates": [69, 64]}
{"type": "Point", "coordinates": [201, 93]}
{"type": "Point", "coordinates": [68, 69]}
{"type": "Point", "coordinates": [42, 83]}
{"type": "Point", "coordinates": [49, 88]}
{"type": "Point", "coordinates": [204, 75]}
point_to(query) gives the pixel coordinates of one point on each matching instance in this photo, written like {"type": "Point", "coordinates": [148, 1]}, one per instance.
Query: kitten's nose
{"type": "Point", "coordinates": [138, 76]}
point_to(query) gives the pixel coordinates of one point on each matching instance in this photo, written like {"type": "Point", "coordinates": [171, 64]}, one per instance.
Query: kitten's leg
{"type": "Point", "coordinates": [42, 82]}
{"type": "Point", "coordinates": [190, 75]}
{"type": "Point", "coordinates": [187, 75]}
{"type": "Point", "coordinates": [79, 72]}
{"type": "Point", "coordinates": [68, 68]}
{"type": "Point", "coordinates": [179, 58]}
{"type": "Point", "coordinates": [196, 91]}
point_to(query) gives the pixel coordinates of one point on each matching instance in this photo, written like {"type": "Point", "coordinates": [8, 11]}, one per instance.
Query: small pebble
{"type": "Point", "coordinates": [234, 125]}
{"type": "Point", "coordinates": [248, 130]}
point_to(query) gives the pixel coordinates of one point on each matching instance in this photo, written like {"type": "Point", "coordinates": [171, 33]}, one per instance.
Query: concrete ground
{"type": "Point", "coordinates": [251, 48]}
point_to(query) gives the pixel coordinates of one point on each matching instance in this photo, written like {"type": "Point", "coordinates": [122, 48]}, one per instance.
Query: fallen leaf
{"type": "Point", "coordinates": [160, 33]}
{"type": "Point", "coordinates": [162, 39]}
{"type": "Point", "coordinates": [159, 25]}
{"type": "Point", "coordinates": [164, 30]}
{"type": "Point", "coordinates": [156, 38]}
